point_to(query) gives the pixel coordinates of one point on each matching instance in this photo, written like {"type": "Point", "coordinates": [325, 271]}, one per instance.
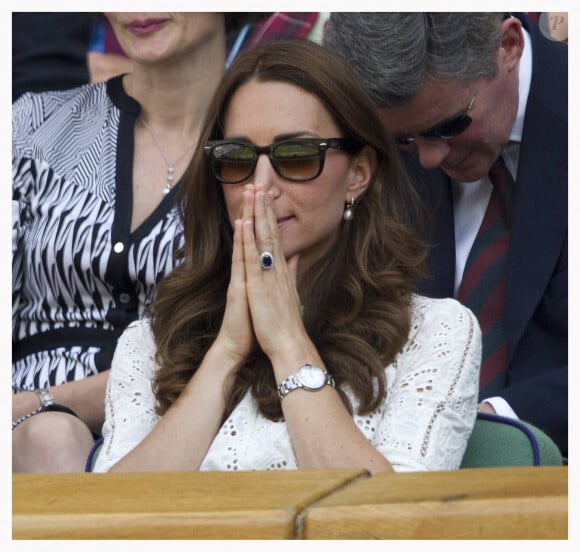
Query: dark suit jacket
{"type": "Point", "coordinates": [49, 51]}
{"type": "Point", "coordinates": [537, 284]}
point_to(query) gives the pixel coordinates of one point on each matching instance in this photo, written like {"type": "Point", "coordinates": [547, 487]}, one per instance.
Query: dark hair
{"type": "Point", "coordinates": [394, 53]}
{"type": "Point", "coordinates": [356, 301]}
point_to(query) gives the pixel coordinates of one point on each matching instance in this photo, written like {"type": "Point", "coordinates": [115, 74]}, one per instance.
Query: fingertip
{"type": "Point", "coordinates": [269, 199]}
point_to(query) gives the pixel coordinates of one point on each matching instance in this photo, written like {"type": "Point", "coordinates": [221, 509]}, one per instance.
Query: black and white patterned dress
{"type": "Point", "coordinates": [79, 274]}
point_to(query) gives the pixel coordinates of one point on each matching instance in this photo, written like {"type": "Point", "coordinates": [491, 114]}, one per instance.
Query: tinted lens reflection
{"type": "Point", "coordinates": [297, 160]}
{"type": "Point", "coordinates": [233, 162]}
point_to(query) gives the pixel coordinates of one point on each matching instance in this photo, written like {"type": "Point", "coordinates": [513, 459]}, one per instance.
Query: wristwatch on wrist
{"type": "Point", "coordinates": [45, 396]}
{"type": "Point", "coordinates": [309, 377]}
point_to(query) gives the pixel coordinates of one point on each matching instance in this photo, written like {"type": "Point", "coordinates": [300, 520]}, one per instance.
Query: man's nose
{"type": "Point", "coordinates": [432, 152]}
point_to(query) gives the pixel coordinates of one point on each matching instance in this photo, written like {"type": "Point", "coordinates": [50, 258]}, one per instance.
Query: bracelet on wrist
{"type": "Point", "coordinates": [18, 421]}
{"type": "Point", "coordinates": [45, 396]}
{"type": "Point", "coordinates": [46, 400]}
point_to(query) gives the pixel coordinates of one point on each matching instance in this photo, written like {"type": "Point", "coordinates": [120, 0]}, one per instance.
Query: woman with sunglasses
{"type": "Point", "coordinates": [290, 336]}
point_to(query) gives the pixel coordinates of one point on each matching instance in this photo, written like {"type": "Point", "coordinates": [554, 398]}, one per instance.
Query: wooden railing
{"type": "Point", "coordinates": [488, 503]}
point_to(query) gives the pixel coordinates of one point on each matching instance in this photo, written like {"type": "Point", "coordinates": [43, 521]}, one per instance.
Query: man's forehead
{"type": "Point", "coordinates": [434, 102]}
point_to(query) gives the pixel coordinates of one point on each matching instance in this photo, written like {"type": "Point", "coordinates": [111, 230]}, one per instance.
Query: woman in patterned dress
{"type": "Point", "coordinates": [95, 227]}
{"type": "Point", "coordinates": [290, 336]}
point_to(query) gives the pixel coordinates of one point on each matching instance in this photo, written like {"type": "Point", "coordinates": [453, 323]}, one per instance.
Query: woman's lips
{"type": "Point", "coordinates": [147, 26]}
{"type": "Point", "coordinates": [284, 221]}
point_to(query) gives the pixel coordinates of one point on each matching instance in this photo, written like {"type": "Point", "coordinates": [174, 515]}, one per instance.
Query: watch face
{"type": "Point", "coordinates": [312, 377]}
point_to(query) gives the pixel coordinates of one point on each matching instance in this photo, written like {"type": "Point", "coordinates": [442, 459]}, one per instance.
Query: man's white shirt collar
{"type": "Point", "coordinates": [525, 80]}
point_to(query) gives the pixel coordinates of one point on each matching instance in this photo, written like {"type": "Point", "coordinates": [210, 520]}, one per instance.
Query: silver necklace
{"type": "Point", "coordinates": [170, 166]}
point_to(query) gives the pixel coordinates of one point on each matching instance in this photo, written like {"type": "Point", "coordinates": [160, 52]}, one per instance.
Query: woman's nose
{"type": "Point", "coordinates": [264, 174]}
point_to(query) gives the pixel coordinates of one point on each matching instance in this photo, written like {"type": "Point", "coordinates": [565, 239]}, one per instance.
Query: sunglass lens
{"type": "Point", "coordinates": [450, 129]}
{"type": "Point", "coordinates": [233, 162]}
{"type": "Point", "coordinates": [297, 160]}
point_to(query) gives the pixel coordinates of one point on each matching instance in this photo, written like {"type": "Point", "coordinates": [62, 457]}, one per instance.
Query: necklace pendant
{"type": "Point", "coordinates": [170, 166]}
{"type": "Point", "coordinates": [169, 184]}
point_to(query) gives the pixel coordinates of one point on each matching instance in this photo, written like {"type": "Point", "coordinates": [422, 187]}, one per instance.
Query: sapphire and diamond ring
{"type": "Point", "coordinates": [266, 260]}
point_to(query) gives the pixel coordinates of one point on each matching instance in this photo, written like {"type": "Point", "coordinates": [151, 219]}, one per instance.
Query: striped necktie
{"type": "Point", "coordinates": [483, 284]}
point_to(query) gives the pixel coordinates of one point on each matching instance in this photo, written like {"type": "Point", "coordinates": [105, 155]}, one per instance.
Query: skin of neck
{"type": "Point", "coordinates": [174, 94]}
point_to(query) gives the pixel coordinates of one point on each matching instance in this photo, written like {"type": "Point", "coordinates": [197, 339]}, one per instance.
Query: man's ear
{"type": "Point", "coordinates": [362, 168]}
{"type": "Point", "coordinates": [512, 43]}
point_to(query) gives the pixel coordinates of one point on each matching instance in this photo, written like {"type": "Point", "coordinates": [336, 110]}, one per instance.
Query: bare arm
{"type": "Point", "coordinates": [86, 398]}
{"type": "Point", "coordinates": [184, 434]}
{"type": "Point", "coordinates": [323, 433]}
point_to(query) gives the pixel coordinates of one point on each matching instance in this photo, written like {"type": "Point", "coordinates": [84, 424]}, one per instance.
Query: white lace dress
{"type": "Point", "coordinates": [423, 424]}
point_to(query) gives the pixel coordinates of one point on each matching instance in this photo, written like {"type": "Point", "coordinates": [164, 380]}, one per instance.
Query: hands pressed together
{"type": "Point", "coordinates": [262, 304]}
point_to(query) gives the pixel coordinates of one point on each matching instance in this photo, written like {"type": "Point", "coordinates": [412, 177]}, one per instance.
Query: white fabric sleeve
{"type": "Point", "coordinates": [130, 402]}
{"type": "Point", "coordinates": [432, 403]}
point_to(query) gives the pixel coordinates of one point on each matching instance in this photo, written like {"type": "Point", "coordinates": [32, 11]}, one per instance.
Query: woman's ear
{"type": "Point", "coordinates": [362, 168]}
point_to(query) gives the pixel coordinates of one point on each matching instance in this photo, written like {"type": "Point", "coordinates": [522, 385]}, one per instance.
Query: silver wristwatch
{"type": "Point", "coordinates": [309, 377]}
{"type": "Point", "coordinates": [45, 396]}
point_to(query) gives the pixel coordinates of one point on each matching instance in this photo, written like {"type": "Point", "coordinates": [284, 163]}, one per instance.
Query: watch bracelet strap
{"type": "Point", "coordinates": [48, 404]}
{"type": "Point", "coordinates": [49, 408]}
{"type": "Point", "coordinates": [292, 383]}
{"type": "Point", "coordinates": [18, 421]}
{"type": "Point", "coordinates": [45, 396]}
{"type": "Point", "coordinates": [287, 385]}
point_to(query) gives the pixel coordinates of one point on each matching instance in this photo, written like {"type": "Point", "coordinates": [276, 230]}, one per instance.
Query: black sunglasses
{"type": "Point", "coordinates": [443, 131]}
{"type": "Point", "coordinates": [297, 159]}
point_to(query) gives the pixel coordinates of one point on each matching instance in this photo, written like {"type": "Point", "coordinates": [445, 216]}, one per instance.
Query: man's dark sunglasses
{"type": "Point", "coordinates": [443, 131]}
{"type": "Point", "coordinates": [296, 159]}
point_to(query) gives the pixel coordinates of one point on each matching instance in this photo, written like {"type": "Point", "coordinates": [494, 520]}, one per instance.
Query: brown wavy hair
{"type": "Point", "coordinates": [356, 300]}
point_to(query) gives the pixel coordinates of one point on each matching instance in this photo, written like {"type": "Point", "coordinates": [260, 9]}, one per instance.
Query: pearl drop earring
{"type": "Point", "coordinates": [348, 213]}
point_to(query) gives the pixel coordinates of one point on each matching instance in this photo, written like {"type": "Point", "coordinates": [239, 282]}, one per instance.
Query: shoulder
{"type": "Point", "coordinates": [444, 339]}
{"type": "Point", "coordinates": [54, 113]}
{"type": "Point", "coordinates": [44, 104]}
{"type": "Point", "coordinates": [66, 129]}
{"type": "Point", "coordinates": [445, 321]}
{"type": "Point", "coordinates": [426, 310]}
{"type": "Point", "coordinates": [137, 339]}
{"type": "Point", "coordinates": [549, 69]}
{"type": "Point", "coordinates": [139, 330]}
